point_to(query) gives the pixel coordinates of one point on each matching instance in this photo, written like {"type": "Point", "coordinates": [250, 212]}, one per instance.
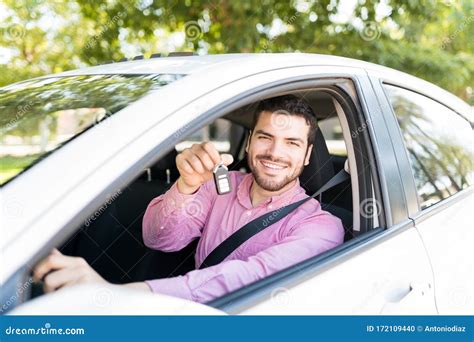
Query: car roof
{"type": "Point", "coordinates": [252, 63]}
{"type": "Point", "coordinates": [193, 64]}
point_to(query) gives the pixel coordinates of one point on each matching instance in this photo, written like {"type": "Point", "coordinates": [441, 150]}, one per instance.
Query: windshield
{"type": "Point", "coordinates": [39, 116]}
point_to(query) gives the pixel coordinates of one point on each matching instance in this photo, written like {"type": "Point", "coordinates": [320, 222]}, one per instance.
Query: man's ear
{"type": "Point", "coordinates": [248, 142]}
{"type": "Point", "coordinates": [308, 155]}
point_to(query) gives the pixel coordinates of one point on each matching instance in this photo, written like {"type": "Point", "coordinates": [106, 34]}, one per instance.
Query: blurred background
{"type": "Point", "coordinates": [431, 39]}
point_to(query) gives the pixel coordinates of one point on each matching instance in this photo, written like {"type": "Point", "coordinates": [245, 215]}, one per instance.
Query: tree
{"type": "Point", "coordinates": [428, 38]}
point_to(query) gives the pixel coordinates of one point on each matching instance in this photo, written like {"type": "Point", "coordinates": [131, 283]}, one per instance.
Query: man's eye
{"type": "Point", "coordinates": [294, 143]}
{"type": "Point", "coordinates": [263, 137]}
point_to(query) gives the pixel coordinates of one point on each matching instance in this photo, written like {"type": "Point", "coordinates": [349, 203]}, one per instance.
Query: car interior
{"type": "Point", "coordinates": [112, 243]}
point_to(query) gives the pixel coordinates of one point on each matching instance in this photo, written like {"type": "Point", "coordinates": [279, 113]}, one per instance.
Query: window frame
{"type": "Point", "coordinates": [236, 301]}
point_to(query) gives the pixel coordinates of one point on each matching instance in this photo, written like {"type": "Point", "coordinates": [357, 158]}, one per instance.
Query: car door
{"type": "Point", "coordinates": [371, 274]}
{"type": "Point", "coordinates": [439, 145]}
{"type": "Point", "coordinates": [383, 271]}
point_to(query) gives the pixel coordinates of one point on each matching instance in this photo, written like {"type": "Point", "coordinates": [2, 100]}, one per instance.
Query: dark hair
{"type": "Point", "coordinates": [289, 104]}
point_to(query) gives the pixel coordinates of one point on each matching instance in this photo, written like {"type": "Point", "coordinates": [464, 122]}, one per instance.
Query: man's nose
{"type": "Point", "coordinates": [275, 150]}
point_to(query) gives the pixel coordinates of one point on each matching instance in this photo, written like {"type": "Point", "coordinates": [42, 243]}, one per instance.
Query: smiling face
{"type": "Point", "coordinates": [278, 149]}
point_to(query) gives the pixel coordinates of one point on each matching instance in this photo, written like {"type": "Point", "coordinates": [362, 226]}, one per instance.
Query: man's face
{"type": "Point", "coordinates": [278, 149]}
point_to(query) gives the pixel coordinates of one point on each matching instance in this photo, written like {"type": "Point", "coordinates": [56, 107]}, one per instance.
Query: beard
{"type": "Point", "coordinates": [266, 182]}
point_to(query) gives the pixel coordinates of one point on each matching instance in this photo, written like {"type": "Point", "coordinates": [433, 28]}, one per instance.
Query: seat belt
{"type": "Point", "coordinates": [260, 223]}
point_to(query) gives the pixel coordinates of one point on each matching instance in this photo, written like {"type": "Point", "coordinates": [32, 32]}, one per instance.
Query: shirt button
{"type": "Point", "coordinates": [270, 206]}
{"type": "Point", "coordinates": [162, 227]}
{"type": "Point", "coordinates": [172, 202]}
{"type": "Point", "coordinates": [249, 213]}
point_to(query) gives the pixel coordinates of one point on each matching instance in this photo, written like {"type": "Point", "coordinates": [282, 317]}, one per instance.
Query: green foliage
{"type": "Point", "coordinates": [431, 39]}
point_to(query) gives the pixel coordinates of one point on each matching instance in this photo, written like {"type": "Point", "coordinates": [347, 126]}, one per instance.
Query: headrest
{"type": "Point", "coordinates": [346, 166]}
{"type": "Point", "coordinates": [168, 161]}
{"type": "Point", "coordinates": [164, 169]}
{"type": "Point", "coordinates": [320, 168]}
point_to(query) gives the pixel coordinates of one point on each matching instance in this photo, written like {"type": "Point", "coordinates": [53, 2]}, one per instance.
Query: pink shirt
{"type": "Point", "coordinates": [173, 220]}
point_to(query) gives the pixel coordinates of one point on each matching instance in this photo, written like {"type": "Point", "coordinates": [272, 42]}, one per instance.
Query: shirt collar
{"type": "Point", "coordinates": [243, 193]}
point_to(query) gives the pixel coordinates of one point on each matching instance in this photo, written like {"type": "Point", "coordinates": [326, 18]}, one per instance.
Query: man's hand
{"type": "Point", "coordinates": [195, 165]}
{"type": "Point", "coordinates": [58, 270]}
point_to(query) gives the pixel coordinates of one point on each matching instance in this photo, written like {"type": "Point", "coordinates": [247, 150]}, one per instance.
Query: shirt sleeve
{"type": "Point", "coordinates": [311, 237]}
{"type": "Point", "coordinates": [173, 220]}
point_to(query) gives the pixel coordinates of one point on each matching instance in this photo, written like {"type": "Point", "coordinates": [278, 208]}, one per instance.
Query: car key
{"type": "Point", "coordinates": [221, 179]}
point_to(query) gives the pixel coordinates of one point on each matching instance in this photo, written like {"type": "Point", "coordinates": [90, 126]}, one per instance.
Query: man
{"type": "Point", "coordinates": [278, 148]}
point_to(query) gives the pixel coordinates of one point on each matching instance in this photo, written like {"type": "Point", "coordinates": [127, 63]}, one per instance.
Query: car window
{"type": "Point", "coordinates": [332, 132]}
{"type": "Point", "coordinates": [39, 116]}
{"type": "Point", "coordinates": [439, 143]}
{"type": "Point", "coordinates": [218, 132]}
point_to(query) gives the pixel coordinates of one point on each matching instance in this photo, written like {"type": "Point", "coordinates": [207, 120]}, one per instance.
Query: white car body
{"type": "Point", "coordinates": [408, 268]}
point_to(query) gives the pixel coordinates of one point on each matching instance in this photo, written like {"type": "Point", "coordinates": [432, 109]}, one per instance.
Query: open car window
{"type": "Point", "coordinates": [39, 116]}
{"type": "Point", "coordinates": [217, 132]}
{"type": "Point", "coordinates": [332, 132]}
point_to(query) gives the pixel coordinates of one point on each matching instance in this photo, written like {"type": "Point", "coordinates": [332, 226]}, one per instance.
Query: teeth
{"type": "Point", "coordinates": [272, 166]}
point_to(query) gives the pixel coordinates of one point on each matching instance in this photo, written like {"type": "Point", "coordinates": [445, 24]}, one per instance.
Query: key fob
{"type": "Point", "coordinates": [221, 179]}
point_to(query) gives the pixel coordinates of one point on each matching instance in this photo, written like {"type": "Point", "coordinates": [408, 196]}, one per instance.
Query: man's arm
{"type": "Point", "coordinates": [171, 221]}
{"type": "Point", "coordinates": [138, 286]}
{"type": "Point", "coordinates": [310, 238]}
{"type": "Point", "coordinates": [58, 270]}
{"type": "Point", "coordinates": [174, 219]}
